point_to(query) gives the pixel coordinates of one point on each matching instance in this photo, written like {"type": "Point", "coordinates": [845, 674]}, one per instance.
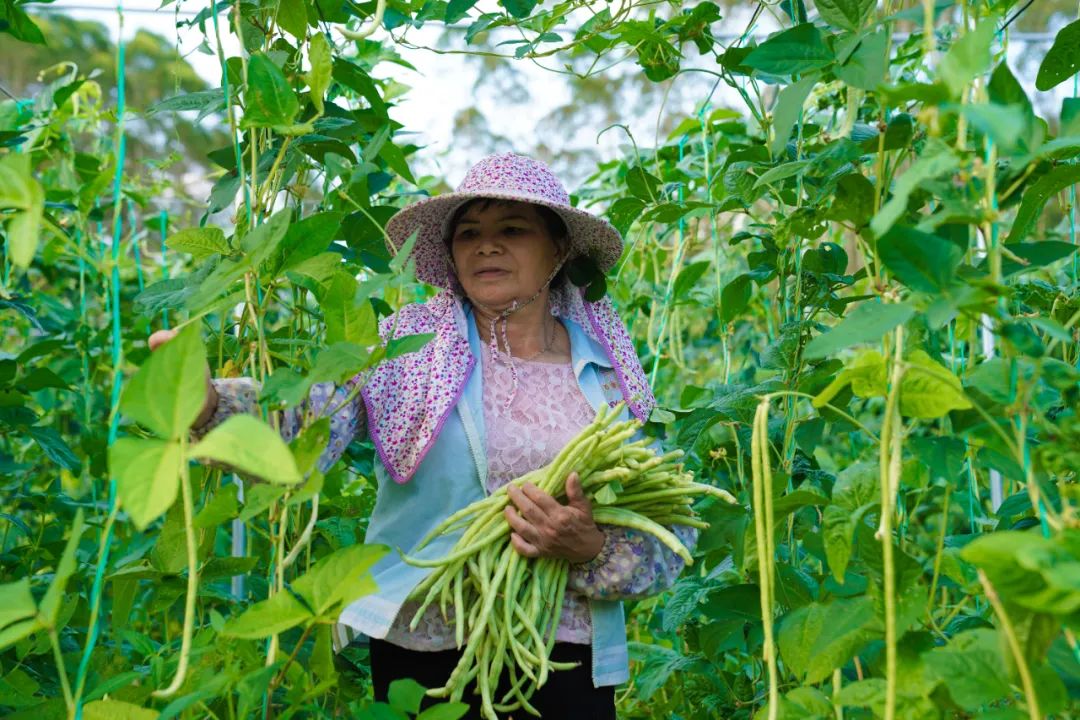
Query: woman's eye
{"type": "Point", "coordinates": [514, 230]}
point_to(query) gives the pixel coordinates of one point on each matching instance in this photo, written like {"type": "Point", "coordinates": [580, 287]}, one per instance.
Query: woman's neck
{"type": "Point", "coordinates": [531, 330]}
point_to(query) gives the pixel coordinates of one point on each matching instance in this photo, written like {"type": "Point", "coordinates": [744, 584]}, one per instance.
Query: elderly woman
{"type": "Point", "coordinates": [448, 432]}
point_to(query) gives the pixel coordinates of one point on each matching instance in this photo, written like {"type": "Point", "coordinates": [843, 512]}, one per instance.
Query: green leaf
{"type": "Point", "coordinates": [734, 297]}
{"type": "Point", "coordinates": [306, 239]}
{"type": "Point", "coordinates": [457, 9]}
{"type": "Point", "coordinates": [147, 473]}
{"type": "Point", "coordinates": [866, 323]}
{"type": "Point", "coordinates": [346, 319]}
{"type": "Point", "coordinates": [276, 614]}
{"type": "Point", "coordinates": [292, 17]}
{"type": "Point", "coordinates": [845, 14]}
{"type": "Point", "coordinates": [200, 242]}
{"type": "Point", "coordinates": [936, 160]}
{"type": "Point", "coordinates": [1062, 61]}
{"type": "Point", "coordinates": [268, 99]}
{"type": "Point", "coordinates": [318, 78]}
{"type": "Point", "coordinates": [688, 278]}
{"type": "Point", "coordinates": [970, 667]}
{"type": "Point", "coordinates": [866, 375]}
{"type": "Point", "coordinates": [1037, 573]}
{"type": "Point", "coordinates": [519, 8]}
{"type": "Point", "coordinates": [221, 508]}
{"type": "Point", "coordinates": [444, 711]}
{"type": "Point", "coordinates": [16, 602]}
{"type": "Point", "coordinates": [819, 637]}
{"type": "Point", "coordinates": [929, 389]}
{"type": "Point", "coordinates": [117, 710]}
{"type": "Point", "coordinates": [920, 260]}
{"type": "Point", "coordinates": [339, 362]}
{"type": "Point", "coordinates": [407, 344]}
{"type": "Point", "coordinates": [1004, 124]}
{"type": "Point", "coordinates": [15, 22]}
{"type": "Point", "coordinates": [341, 577]}
{"type": "Point", "coordinates": [49, 608]}
{"type": "Point", "coordinates": [20, 192]}
{"type": "Point", "coordinates": [309, 445]}
{"type": "Point", "coordinates": [168, 391]}
{"type": "Point", "coordinates": [405, 695]}
{"type": "Point", "coordinates": [642, 185]}
{"type": "Point", "coordinates": [251, 446]}
{"type": "Point", "coordinates": [837, 531]}
{"type": "Point", "coordinates": [796, 51]}
{"type": "Point", "coordinates": [968, 57]}
{"type": "Point", "coordinates": [1036, 197]}
{"type": "Point", "coordinates": [262, 242]}
{"type": "Point", "coordinates": [623, 212]}
{"type": "Point", "coordinates": [786, 112]}
{"type": "Point", "coordinates": [865, 68]}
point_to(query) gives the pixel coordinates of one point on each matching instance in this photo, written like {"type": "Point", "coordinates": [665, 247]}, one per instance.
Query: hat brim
{"type": "Point", "coordinates": [589, 234]}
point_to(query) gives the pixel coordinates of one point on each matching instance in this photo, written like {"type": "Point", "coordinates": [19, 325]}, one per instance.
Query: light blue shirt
{"type": "Point", "coordinates": [452, 475]}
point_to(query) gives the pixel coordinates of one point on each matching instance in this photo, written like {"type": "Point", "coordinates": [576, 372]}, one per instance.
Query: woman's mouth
{"type": "Point", "coordinates": [490, 273]}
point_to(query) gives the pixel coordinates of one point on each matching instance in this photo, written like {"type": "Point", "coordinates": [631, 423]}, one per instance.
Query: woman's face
{"type": "Point", "coordinates": [502, 253]}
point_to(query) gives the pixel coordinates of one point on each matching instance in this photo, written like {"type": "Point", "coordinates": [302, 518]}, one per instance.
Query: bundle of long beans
{"type": "Point", "coordinates": [506, 608]}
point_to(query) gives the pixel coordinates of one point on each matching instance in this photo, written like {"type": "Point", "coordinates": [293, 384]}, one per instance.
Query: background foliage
{"type": "Point", "coordinates": [855, 293]}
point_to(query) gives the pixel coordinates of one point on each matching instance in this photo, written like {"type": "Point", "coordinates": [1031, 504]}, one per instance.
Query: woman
{"type": "Point", "coordinates": [448, 432]}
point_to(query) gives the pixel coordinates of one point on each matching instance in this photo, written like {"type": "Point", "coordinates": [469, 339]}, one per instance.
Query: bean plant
{"type": "Point", "coordinates": [854, 293]}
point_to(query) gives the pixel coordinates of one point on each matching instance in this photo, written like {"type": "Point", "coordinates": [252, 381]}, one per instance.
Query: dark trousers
{"type": "Point", "coordinates": [567, 694]}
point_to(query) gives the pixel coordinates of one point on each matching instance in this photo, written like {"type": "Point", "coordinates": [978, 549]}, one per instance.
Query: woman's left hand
{"type": "Point", "coordinates": [543, 527]}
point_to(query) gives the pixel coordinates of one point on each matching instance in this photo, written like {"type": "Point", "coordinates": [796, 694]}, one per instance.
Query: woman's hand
{"type": "Point", "coordinates": [161, 337]}
{"type": "Point", "coordinates": [544, 527]}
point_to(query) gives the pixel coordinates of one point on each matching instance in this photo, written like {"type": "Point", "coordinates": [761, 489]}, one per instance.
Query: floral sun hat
{"type": "Point", "coordinates": [505, 176]}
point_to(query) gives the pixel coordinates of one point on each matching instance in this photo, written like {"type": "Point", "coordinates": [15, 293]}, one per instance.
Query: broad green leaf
{"type": "Point", "coordinates": [307, 238]}
{"type": "Point", "coordinates": [20, 192]}
{"type": "Point", "coordinates": [929, 389]}
{"type": "Point", "coordinates": [262, 242]}
{"type": "Point", "coordinates": [643, 185]}
{"type": "Point", "coordinates": [147, 473]}
{"type": "Point", "coordinates": [1032, 256]}
{"type": "Point", "coordinates": [781, 172]}
{"type": "Point", "coordinates": [819, 637]}
{"type": "Point", "coordinates": [200, 242]}
{"type": "Point", "coordinates": [796, 51]}
{"type": "Point", "coordinates": [407, 344]}
{"type": "Point", "coordinates": [863, 693]}
{"type": "Point", "coordinates": [786, 113]}
{"type": "Point", "coordinates": [920, 260]}
{"type": "Point", "coordinates": [866, 375]}
{"type": "Point", "coordinates": [117, 710]}
{"type": "Point", "coordinates": [968, 57]}
{"type": "Point", "coordinates": [292, 18]}
{"type": "Point", "coordinates": [1062, 61]}
{"type": "Point", "coordinates": [1005, 89]}
{"type": "Point", "coordinates": [269, 100]}
{"type": "Point", "coordinates": [519, 8]}
{"type": "Point", "coordinates": [457, 9]}
{"type": "Point", "coordinates": [346, 319]}
{"type": "Point", "coordinates": [970, 667]}
{"type": "Point", "coordinates": [734, 297]}
{"type": "Point", "coordinates": [276, 614]}
{"type": "Point", "coordinates": [221, 508]}
{"type": "Point", "coordinates": [856, 486]}
{"type": "Point", "coordinates": [16, 602]}
{"type": "Point", "coordinates": [15, 22]}
{"type": "Point", "coordinates": [339, 362]}
{"type": "Point", "coordinates": [688, 278]}
{"type": "Point", "coordinates": [49, 608]}
{"type": "Point", "coordinates": [340, 577]}
{"type": "Point", "coordinates": [444, 711]}
{"type": "Point", "coordinates": [867, 322]}
{"type": "Point", "coordinates": [309, 445]}
{"type": "Point", "coordinates": [623, 212]}
{"type": "Point", "coordinates": [252, 447]}
{"type": "Point", "coordinates": [405, 695]}
{"type": "Point", "coordinates": [935, 160]}
{"type": "Point", "coordinates": [168, 391]}
{"type": "Point", "coordinates": [318, 78]}
{"type": "Point", "coordinates": [1037, 573]}
{"type": "Point", "coordinates": [865, 68]}
{"type": "Point", "coordinates": [17, 631]}
{"type": "Point", "coordinates": [1036, 197]}
{"type": "Point", "coordinates": [845, 14]}
{"type": "Point", "coordinates": [1004, 124]}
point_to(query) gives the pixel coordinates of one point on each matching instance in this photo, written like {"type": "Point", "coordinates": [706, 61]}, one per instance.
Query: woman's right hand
{"type": "Point", "coordinates": [161, 337]}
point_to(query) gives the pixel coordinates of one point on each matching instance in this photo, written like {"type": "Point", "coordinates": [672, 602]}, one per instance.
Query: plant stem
{"type": "Point", "coordinates": [61, 671]}
{"type": "Point", "coordinates": [193, 576]}
{"type": "Point", "coordinates": [1014, 646]}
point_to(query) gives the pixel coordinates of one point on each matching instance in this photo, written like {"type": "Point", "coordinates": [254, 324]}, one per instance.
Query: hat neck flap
{"type": "Point", "coordinates": [409, 398]}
